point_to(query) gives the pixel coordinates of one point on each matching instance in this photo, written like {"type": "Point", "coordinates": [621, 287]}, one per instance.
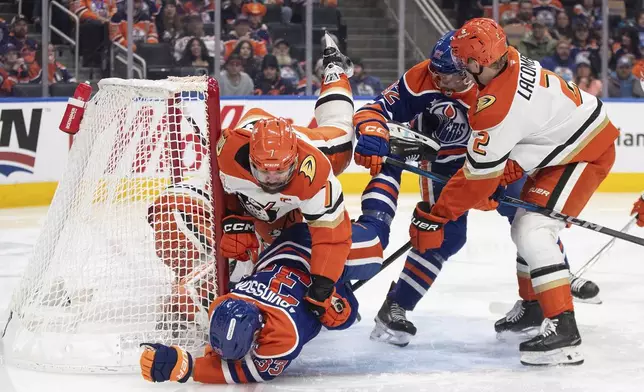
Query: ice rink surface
{"type": "Point", "coordinates": [455, 349]}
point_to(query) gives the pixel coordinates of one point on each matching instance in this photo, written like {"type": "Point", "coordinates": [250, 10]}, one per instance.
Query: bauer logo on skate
{"type": "Point", "coordinates": [19, 153]}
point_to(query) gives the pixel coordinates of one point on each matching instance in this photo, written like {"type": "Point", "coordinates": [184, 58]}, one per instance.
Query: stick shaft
{"type": "Point", "coordinates": [527, 206]}
{"type": "Point", "coordinates": [593, 260]}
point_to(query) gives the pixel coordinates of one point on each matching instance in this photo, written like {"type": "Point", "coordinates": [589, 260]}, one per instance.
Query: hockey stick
{"type": "Point", "coordinates": [603, 250]}
{"type": "Point", "coordinates": [384, 265]}
{"type": "Point", "coordinates": [511, 201]}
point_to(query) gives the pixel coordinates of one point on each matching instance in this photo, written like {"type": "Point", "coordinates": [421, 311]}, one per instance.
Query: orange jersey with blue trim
{"type": "Point", "coordinates": [415, 93]}
{"type": "Point", "coordinates": [277, 288]}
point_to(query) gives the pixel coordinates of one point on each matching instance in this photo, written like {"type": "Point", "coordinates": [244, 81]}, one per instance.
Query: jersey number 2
{"type": "Point", "coordinates": [482, 140]}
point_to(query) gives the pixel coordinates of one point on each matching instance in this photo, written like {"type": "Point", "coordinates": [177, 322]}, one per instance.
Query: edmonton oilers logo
{"type": "Point", "coordinates": [457, 131]}
{"type": "Point", "coordinates": [18, 143]}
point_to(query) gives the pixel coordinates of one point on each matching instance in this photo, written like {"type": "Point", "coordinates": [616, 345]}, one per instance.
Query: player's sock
{"type": "Point", "coordinates": [370, 233]}
{"type": "Point", "coordinates": [380, 197]}
{"type": "Point", "coordinates": [416, 278]}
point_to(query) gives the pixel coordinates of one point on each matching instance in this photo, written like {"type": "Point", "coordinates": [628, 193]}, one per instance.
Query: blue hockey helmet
{"type": "Point", "coordinates": [445, 71]}
{"type": "Point", "coordinates": [234, 326]}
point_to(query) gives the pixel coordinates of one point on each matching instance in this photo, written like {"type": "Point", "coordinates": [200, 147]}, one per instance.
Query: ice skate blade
{"type": "Point", "coordinates": [383, 334]}
{"type": "Point", "coordinates": [593, 301]}
{"type": "Point", "coordinates": [567, 356]}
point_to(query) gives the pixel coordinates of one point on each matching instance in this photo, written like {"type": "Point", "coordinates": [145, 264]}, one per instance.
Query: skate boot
{"type": "Point", "coordinates": [584, 290]}
{"type": "Point", "coordinates": [332, 55]}
{"type": "Point", "coordinates": [392, 325]}
{"type": "Point", "coordinates": [410, 145]}
{"type": "Point", "coordinates": [557, 343]}
{"type": "Point", "coordinates": [523, 318]}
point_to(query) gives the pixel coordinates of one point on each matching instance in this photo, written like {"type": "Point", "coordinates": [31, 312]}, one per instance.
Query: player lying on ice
{"type": "Point", "coordinates": [436, 94]}
{"type": "Point", "coordinates": [262, 324]}
{"type": "Point", "coordinates": [529, 118]}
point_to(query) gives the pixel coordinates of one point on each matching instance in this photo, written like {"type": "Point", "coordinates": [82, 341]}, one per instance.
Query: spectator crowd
{"type": "Point", "coordinates": [565, 37]}
{"type": "Point", "coordinates": [21, 58]}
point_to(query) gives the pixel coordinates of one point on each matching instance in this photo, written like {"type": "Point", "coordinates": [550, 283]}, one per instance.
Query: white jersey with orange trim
{"type": "Point", "coordinates": [530, 115]}
{"type": "Point", "coordinates": [314, 190]}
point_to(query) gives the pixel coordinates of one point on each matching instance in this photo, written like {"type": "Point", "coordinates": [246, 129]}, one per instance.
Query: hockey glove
{"type": "Point", "coordinates": [325, 303]}
{"type": "Point", "coordinates": [512, 172]}
{"type": "Point", "coordinates": [373, 144]}
{"type": "Point", "coordinates": [492, 202]}
{"type": "Point", "coordinates": [638, 208]}
{"type": "Point", "coordinates": [161, 363]}
{"type": "Point", "coordinates": [426, 230]}
{"type": "Point", "coordinates": [239, 237]}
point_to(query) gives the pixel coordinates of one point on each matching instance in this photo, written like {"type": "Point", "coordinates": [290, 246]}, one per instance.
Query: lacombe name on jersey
{"type": "Point", "coordinates": [527, 77]}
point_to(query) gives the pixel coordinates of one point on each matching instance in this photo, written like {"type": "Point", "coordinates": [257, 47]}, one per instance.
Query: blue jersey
{"type": "Point", "coordinates": [416, 93]}
{"type": "Point", "coordinates": [277, 287]}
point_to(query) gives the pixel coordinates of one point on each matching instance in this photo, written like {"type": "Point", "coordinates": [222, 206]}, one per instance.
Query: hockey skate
{"type": "Point", "coordinates": [332, 55]}
{"type": "Point", "coordinates": [584, 290]}
{"type": "Point", "coordinates": [524, 318]}
{"type": "Point", "coordinates": [557, 343]}
{"type": "Point", "coordinates": [410, 145]}
{"type": "Point", "coordinates": [392, 325]}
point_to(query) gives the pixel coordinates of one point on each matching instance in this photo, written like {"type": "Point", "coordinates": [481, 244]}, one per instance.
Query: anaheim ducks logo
{"type": "Point", "coordinates": [308, 167]}
{"type": "Point", "coordinates": [485, 102]}
{"type": "Point", "coordinates": [220, 144]}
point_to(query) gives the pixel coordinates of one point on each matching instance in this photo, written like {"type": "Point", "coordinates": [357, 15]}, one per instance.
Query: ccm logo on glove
{"type": "Point", "coordinates": [377, 130]}
{"type": "Point", "coordinates": [239, 227]}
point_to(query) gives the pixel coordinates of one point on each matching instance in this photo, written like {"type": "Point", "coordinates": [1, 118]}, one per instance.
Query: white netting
{"type": "Point", "coordinates": [126, 253]}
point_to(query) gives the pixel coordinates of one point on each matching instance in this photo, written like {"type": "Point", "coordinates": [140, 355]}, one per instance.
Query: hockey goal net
{"type": "Point", "coordinates": [128, 251]}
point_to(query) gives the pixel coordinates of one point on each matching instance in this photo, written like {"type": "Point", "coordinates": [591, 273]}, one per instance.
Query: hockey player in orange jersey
{"type": "Point", "coordinates": [527, 117]}
{"type": "Point", "coordinates": [273, 170]}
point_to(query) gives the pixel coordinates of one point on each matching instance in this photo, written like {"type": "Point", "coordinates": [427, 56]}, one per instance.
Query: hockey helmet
{"type": "Point", "coordinates": [481, 40]}
{"type": "Point", "coordinates": [445, 72]}
{"type": "Point", "coordinates": [273, 153]}
{"type": "Point", "coordinates": [234, 327]}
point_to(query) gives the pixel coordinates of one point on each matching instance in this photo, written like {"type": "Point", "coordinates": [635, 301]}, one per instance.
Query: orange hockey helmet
{"type": "Point", "coordinates": [273, 153]}
{"type": "Point", "coordinates": [481, 40]}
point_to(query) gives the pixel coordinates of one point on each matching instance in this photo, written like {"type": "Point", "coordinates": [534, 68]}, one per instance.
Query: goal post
{"type": "Point", "coordinates": [128, 252]}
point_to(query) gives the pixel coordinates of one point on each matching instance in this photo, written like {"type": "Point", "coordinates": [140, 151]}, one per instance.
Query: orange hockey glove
{"type": "Point", "coordinates": [512, 172]}
{"type": "Point", "coordinates": [373, 144]}
{"type": "Point", "coordinates": [239, 237]}
{"type": "Point", "coordinates": [638, 208]}
{"type": "Point", "coordinates": [161, 363]}
{"type": "Point", "coordinates": [325, 303]}
{"type": "Point", "coordinates": [426, 230]}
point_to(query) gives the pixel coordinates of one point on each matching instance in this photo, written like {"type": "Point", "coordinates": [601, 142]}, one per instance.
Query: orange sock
{"type": "Point", "coordinates": [556, 300]}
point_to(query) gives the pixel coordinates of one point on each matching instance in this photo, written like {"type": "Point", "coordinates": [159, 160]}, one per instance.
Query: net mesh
{"type": "Point", "coordinates": [127, 252]}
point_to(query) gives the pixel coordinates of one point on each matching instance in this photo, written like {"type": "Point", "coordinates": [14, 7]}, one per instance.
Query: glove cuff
{"type": "Point", "coordinates": [424, 206]}
{"type": "Point", "coordinates": [190, 365]}
{"type": "Point", "coordinates": [321, 288]}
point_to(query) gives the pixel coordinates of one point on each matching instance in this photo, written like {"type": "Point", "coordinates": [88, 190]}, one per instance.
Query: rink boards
{"type": "Point", "coordinates": [33, 151]}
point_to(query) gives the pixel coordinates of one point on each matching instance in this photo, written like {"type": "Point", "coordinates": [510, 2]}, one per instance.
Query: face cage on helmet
{"type": "Point", "coordinates": [273, 181]}
{"type": "Point", "coordinates": [457, 81]}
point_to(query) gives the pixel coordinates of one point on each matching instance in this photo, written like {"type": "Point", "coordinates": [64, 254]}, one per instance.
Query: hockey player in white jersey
{"type": "Point", "coordinates": [527, 117]}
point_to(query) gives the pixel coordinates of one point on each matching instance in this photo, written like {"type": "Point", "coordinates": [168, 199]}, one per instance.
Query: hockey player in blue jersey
{"type": "Point", "coordinates": [260, 327]}
{"type": "Point", "coordinates": [435, 96]}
